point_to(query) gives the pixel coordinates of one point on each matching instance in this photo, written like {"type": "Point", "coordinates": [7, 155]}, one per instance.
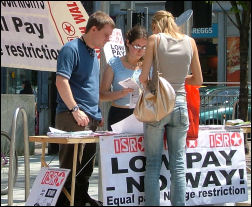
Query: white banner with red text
{"type": "Point", "coordinates": [32, 32]}
{"type": "Point", "coordinates": [216, 169]}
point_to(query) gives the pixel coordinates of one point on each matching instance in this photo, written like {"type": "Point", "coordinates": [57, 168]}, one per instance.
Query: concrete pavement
{"type": "Point", "coordinates": [35, 165]}
{"type": "Point", "coordinates": [52, 160]}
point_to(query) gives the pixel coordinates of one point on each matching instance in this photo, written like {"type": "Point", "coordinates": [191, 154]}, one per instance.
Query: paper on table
{"type": "Point", "coordinates": [128, 125]}
{"type": "Point", "coordinates": [77, 134]}
{"type": "Point", "coordinates": [53, 130]}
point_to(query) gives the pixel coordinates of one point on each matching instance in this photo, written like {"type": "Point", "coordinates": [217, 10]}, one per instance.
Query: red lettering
{"type": "Point", "coordinates": [117, 146]}
{"type": "Point", "coordinates": [45, 178]}
{"type": "Point", "coordinates": [140, 144]}
{"type": "Point", "coordinates": [53, 178]}
{"type": "Point", "coordinates": [226, 140]}
{"type": "Point", "coordinates": [72, 5]}
{"type": "Point", "coordinates": [82, 29]}
{"type": "Point", "coordinates": [124, 145]}
{"type": "Point", "coordinates": [133, 144]}
{"type": "Point", "coordinates": [59, 178]}
{"type": "Point", "coordinates": [76, 13]}
{"type": "Point", "coordinates": [75, 10]}
{"type": "Point", "coordinates": [78, 17]}
{"type": "Point", "coordinates": [218, 140]}
{"type": "Point", "coordinates": [212, 140]}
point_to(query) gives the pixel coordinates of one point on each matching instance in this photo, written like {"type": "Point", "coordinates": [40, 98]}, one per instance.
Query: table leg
{"type": "Point", "coordinates": [74, 174]}
{"type": "Point", "coordinates": [43, 163]}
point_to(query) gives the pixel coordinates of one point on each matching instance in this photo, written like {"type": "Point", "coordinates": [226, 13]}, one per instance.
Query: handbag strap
{"type": "Point", "coordinates": [153, 82]}
{"type": "Point", "coordinates": [156, 52]}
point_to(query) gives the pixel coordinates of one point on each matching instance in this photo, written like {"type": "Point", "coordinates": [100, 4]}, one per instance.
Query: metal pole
{"type": "Point", "coordinates": [129, 19]}
{"type": "Point", "coordinates": [105, 6]}
{"type": "Point", "coordinates": [26, 155]}
{"type": "Point", "coordinates": [131, 5]}
{"type": "Point", "coordinates": [146, 11]}
{"type": "Point", "coordinates": [222, 33]}
{"type": "Point", "coordinates": [189, 23]}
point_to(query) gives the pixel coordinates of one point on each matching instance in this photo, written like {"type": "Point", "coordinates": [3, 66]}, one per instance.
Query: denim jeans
{"type": "Point", "coordinates": [176, 125]}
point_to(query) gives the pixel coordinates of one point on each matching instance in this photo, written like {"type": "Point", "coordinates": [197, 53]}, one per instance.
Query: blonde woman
{"type": "Point", "coordinates": [177, 54]}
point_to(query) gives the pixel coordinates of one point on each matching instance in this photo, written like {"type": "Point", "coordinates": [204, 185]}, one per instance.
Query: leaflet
{"type": "Point", "coordinates": [131, 83]}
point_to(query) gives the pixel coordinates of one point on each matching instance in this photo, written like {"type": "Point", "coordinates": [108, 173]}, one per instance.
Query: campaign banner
{"type": "Point", "coordinates": [47, 187]}
{"type": "Point", "coordinates": [115, 47]}
{"type": "Point", "coordinates": [216, 169]}
{"type": "Point", "coordinates": [33, 32]}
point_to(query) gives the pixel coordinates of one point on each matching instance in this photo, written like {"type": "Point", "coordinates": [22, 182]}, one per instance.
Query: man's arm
{"type": "Point", "coordinates": [65, 93]}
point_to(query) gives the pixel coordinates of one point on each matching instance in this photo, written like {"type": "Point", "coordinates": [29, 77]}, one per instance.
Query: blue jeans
{"type": "Point", "coordinates": [176, 125]}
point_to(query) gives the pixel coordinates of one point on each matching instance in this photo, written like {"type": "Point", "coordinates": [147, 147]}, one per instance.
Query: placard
{"type": "Point", "coordinates": [216, 170]}
{"type": "Point", "coordinates": [115, 47]}
{"type": "Point", "coordinates": [47, 187]}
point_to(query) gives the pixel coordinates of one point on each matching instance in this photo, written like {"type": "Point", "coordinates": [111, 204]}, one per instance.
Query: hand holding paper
{"type": "Point", "coordinates": [131, 83]}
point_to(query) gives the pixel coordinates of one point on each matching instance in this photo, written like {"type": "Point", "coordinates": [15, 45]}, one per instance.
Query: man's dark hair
{"type": "Point", "coordinates": [99, 19]}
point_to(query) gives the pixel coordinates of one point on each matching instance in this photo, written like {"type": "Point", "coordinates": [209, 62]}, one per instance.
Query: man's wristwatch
{"type": "Point", "coordinates": [75, 108]}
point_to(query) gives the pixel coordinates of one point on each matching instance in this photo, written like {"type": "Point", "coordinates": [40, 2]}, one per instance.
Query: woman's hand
{"type": "Point", "coordinates": [126, 91]}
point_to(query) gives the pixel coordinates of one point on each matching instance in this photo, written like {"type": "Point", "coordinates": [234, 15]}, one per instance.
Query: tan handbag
{"type": "Point", "coordinates": [158, 99]}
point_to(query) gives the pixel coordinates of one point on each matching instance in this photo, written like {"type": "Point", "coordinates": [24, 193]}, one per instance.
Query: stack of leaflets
{"type": "Point", "coordinates": [234, 122]}
{"type": "Point", "coordinates": [238, 122]}
{"type": "Point", "coordinates": [78, 134]}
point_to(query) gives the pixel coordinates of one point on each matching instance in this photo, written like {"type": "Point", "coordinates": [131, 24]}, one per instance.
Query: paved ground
{"type": "Point", "coordinates": [19, 192]}
{"type": "Point", "coordinates": [19, 188]}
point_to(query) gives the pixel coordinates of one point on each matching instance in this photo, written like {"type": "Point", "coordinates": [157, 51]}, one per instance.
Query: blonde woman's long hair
{"type": "Point", "coordinates": [165, 23]}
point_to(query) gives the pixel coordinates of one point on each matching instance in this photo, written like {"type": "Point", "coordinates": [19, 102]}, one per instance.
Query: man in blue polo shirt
{"type": "Point", "coordinates": [77, 81]}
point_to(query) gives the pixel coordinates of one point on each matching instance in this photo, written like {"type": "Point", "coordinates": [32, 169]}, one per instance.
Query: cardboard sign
{"type": "Point", "coordinates": [33, 32]}
{"type": "Point", "coordinates": [115, 47]}
{"type": "Point", "coordinates": [47, 187]}
{"type": "Point", "coordinates": [216, 170]}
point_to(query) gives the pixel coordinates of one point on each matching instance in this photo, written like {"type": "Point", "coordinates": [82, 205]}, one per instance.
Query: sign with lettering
{"type": "Point", "coordinates": [208, 32]}
{"type": "Point", "coordinates": [216, 170]}
{"type": "Point", "coordinates": [32, 32]}
{"type": "Point", "coordinates": [47, 187]}
{"type": "Point", "coordinates": [115, 47]}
